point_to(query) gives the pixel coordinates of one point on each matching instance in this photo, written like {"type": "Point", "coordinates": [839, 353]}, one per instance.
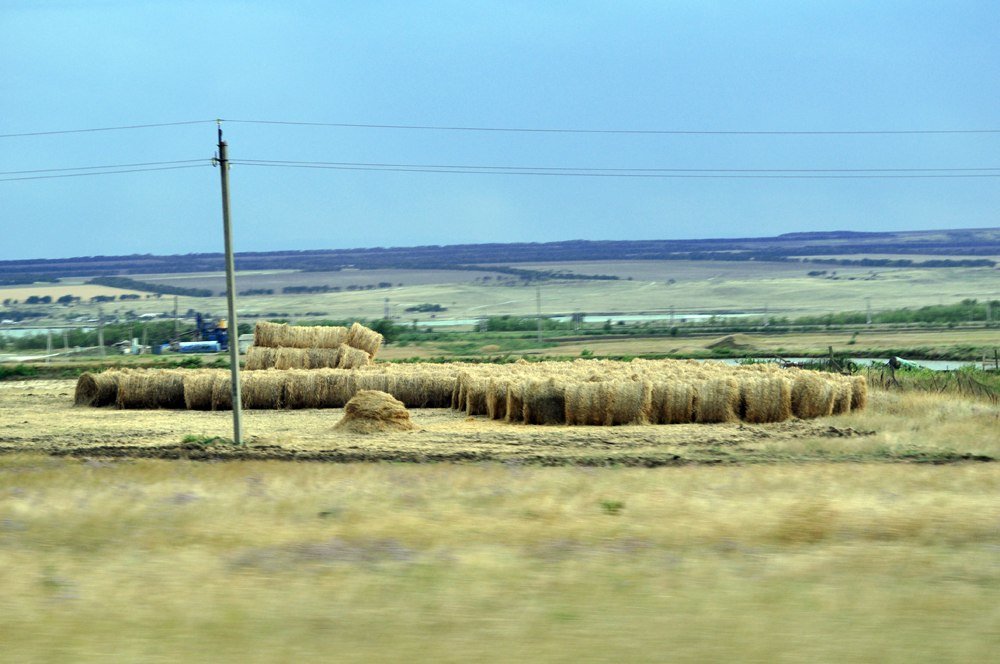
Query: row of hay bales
{"type": "Point", "coordinates": [341, 357]}
{"type": "Point", "coordinates": [653, 392]}
{"type": "Point", "coordinates": [429, 386]}
{"type": "Point", "coordinates": [586, 392]}
{"type": "Point", "coordinates": [282, 346]}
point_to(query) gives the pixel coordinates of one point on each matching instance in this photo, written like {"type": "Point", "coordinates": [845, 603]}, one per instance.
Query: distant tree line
{"type": "Point", "coordinates": [905, 262]}
{"type": "Point", "coordinates": [160, 289]}
{"type": "Point", "coordinates": [972, 242]}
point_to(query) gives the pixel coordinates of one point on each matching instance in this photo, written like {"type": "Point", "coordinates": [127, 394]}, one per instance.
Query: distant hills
{"type": "Point", "coordinates": [976, 247]}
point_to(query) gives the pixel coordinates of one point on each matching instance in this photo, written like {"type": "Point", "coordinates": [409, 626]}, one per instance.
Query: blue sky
{"type": "Point", "coordinates": [705, 66]}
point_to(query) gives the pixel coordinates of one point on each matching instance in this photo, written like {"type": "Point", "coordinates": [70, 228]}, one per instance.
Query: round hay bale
{"type": "Point", "coordinates": [334, 388]}
{"type": "Point", "coordinates": [364, 338]}
{"type": "Point", "coordinates": [222, 391]}
{"type": "Point", "coordinates": [154, 388]}
{"type": "Point", "coordinates": [282, 335]}
{"type": "Point", "coordinates": [301, 390]}
{"type": "Point", "coordinates": [583, 403]}
{"type": "Point", "coordinates": [496, 398]}
{"type": "Point", "coordinates": [199, 387]}
{"type": "Point", "coordinates": [765, 398]}
{"type": "Point", "coordinates": [841, 396]}
{"type": "Point", "coordinates": [515, 401]}
{"type": "Point", "coordinates": [544, 402]}
{"type": "Point", "coordinates": [859, 392]}
{"type": "Point", "coordinates": [260, 389]}
{"type": "Point", "coordinates": [352, 358]}
{"type": "Point", "coordinates": [717, 400]}
{"type": "Point", "coordinates": [372, 411]}
{"type": "Point", "coordinates": [625, 401]}
{"type": "Point", "coordinates": [260, 357]}
{"type": "Point", "coordinates": [812, 395]}
{"type": "Point", "coordinates": [671, 402]}
{"type": "Point", "coordinates": [97, 390]}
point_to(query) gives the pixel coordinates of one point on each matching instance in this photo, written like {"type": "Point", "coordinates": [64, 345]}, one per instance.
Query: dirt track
{"type": "Point", "coordinates": [39, 416]}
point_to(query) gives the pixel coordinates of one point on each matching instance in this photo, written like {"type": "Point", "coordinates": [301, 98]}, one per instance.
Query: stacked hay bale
{"type": "Point", "coordinates": [587, 392]}
{"type": "Point", "coordinates": [282, 346]}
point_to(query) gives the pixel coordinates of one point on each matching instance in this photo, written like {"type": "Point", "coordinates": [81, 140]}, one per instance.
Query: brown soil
{"type": "Point", "coordinates": [39, 416]}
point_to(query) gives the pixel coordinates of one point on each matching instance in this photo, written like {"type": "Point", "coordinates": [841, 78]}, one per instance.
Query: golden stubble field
{"type": "Point", "coordinates": [873, 536]}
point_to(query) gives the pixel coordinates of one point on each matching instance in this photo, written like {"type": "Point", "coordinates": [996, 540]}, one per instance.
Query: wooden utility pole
{"type": "Point", "coordinates": [48, 346]}
{"type": "Point", "coordinates": [232, 327]}
{"type": "Point", "coordinates": [100, 330]}
{"type": "Point", "coordinates": [538, 307]}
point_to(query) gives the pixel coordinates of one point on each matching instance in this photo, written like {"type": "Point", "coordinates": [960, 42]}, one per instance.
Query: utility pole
{"type": "Point", "coordinates": [48, 346]}
{"type": "Point", "coordinates": [176, 332]}
{"type": "Point", "coordinates": [385, 315]}
{"type": "Point", "coordinates": [232, 327]}
{"type": "Point", "coordinates": [538, 308]}
{"type": "Point", "coordinates": [65, 341]}
{"type": "Point", "coordinates": [100, 330]}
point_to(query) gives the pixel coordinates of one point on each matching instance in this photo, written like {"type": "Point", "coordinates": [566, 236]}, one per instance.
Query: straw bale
{"type": "Point", "coordinates": [371, 411]}
{"type": "Point", "coordinates": [496, 398]}
{"type": "Point", "coordinates": [364, 338]}
{"type": "Point", "coordinates": [812, 395]}
{"type": "Point", "coordinates": [97, 390]}
{"type": "Point", "coordinates": [475, 396]}
{"type": "Point", "coordinates": [372, 380]}
{"type": "Point", "coordinates": [717, 400]}
{"type": "Point", "coordinates": [154, 388]}
{"type": "Point", "coordinates": [841, 395]}
{"type": "Point", "coordinates": [625, 401]}
{"type": "Point", "coordinates": [222, 391]}
{"type": "Point", "coordinates": [859, 392]}
{"type": "Point", "coordinates": [671, 402]}
{"type": "Point", "coordinates": [282, 335]}
{"type": "Point", "coordinates": [300, 390]}
{"type": "Point", "coordinates": [352, 358]}
{"type": "Point", "coordinates": [544, 402]}
{"type": "Point", "coordinates": [515, 401]}
{"type": "Point", "coordinates": [260, 357]}
{"type": "Point", "coordinates": [583, 403]}
{"type": "Point", "coordinates": [765, 397]}
{"type": "Point", "coordinates": [262, 389]}
{"type": "Point", "coordinates": [199, 386]}
{"type": "Point", "coordinates": [334, 388]}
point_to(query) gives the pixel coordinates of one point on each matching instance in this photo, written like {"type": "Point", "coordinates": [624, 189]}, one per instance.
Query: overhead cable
{"type": "Point", "coordinates": [675, 132]}
{"type": "Point", "coordinates": [94, 129]}
{"type": "Point", "coordinates": [782, 175]}
{"type": "Point", "coordinates": [92, 173]}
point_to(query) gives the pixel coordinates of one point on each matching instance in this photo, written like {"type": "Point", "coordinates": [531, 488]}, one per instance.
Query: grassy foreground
{"type": "Point", "coordinates": [254, 561]}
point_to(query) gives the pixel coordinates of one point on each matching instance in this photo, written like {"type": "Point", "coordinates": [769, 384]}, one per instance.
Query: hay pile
{"type": "Point", "coordinates": [371, 411]}
{"type": "Point", "coordinates": [281, 346]}
{"type": "Point", "coordinates": [584, 392]}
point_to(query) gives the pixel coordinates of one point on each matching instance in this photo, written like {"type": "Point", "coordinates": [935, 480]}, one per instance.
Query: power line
{"type": "Point", "coordinates": [91, 173]}
{"type": "Point", "coordinates": [88, 168]}
{"type": "Point", "coordinates": [416, 168]}
{"type": "Point", "coordinates": [668, 132]}
{"type": "Point", "coordinates": [574, 169]}
{"type": "Point", "coordinates": [94, 129]}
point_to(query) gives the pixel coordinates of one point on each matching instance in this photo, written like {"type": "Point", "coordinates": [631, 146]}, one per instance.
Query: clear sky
{"type": "Point", "coordinates": [653, 65]}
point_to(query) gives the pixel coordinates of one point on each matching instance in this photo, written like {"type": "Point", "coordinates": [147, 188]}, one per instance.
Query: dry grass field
{"type": "Point", "coordinates": [864, 537]}
{"type": "Point", "coordinates": [810, 343]}
{"type": "Point", "coordinates": [699, 286]}
{"type": "Point", "coordinates": [56, 291]}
